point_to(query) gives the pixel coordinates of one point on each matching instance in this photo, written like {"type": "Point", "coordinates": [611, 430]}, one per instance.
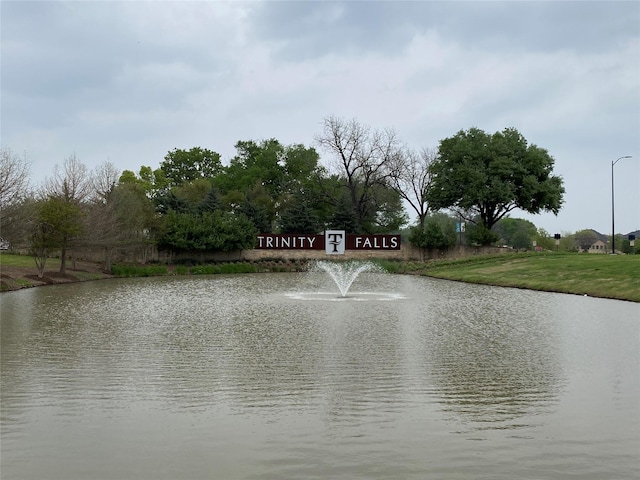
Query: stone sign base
{"type": "Point", "coordinates": [407, 253]}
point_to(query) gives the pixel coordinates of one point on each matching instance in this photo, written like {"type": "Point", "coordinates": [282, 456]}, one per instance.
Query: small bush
{"type": "Point", "coordinates": [389, 266]}
{"type": "Point", "coordinates": [181, 270]}
{"type": "Point", "coordinates": [238, 268]}
{"type": "Point", "coordinates": [205, 270]}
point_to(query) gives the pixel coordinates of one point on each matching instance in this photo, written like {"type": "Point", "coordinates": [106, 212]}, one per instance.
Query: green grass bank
{"type": "Point", "coordinates": [605, 276]}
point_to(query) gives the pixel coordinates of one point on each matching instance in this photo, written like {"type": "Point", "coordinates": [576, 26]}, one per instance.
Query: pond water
{"type": "Point", "coordinates": [275, 376]}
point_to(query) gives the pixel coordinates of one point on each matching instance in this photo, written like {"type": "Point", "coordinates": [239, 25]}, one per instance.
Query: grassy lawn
{"type": "Point", "coordinates": [25, 261]}
{"type": "Point", "coordinates": [609, 276]}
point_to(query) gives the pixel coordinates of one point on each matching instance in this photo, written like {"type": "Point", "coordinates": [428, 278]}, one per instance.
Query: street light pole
{"type": "Point", "coordinates": [613, 221]}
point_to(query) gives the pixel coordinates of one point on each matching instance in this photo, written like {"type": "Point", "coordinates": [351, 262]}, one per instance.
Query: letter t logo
{"type": "Point", "coordinates": [334, 242]}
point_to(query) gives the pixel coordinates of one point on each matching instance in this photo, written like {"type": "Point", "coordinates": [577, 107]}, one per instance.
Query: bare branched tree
{"type": "Point", "coordinates": [14, 186]}
{"type": "Point", "coordinates": [101, 220]}
{"type": "Point", "coordinates": [362, 157]}
{"type": "Point", "coordinates": [104, 178]}
{"type": "Point", "coordinates": [14, 176]}
{"type": "Point", "coordinates": [409, 177]}
{"type": "Point", "coordinates": [71, 181]}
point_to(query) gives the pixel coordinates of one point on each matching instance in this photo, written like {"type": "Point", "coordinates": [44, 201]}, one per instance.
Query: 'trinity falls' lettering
{"type": "Point", "coordinates": [274, 241]}
{"type": "Point", "coordinates": [375, 242]}
{"type": "Point", "coordinates": [269, 241]}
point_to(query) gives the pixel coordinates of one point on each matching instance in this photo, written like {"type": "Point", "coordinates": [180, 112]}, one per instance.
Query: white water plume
{"type": "Point", "coordinates": [345, 273]}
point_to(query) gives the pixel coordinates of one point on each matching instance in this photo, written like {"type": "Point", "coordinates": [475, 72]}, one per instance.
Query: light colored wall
{"type": "Point", "coordinates": [598, 247]}
{"type": "Point", "coordinates": [407, 252]}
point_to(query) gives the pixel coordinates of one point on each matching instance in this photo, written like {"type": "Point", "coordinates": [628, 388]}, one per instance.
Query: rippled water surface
{"type": "Point", "coordinates": [275, 376]}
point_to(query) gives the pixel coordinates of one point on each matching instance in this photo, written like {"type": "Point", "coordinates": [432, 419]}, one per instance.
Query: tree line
{"type": "Point", "coordinates": [366, 182]}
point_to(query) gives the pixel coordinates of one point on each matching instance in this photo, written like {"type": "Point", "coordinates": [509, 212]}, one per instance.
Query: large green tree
{"type": "Point", "coordinates": [181, 166]}
{"type": "Point", "coordinates": [264, 177]}
{"type": "Point", "coordinates": [387, 213]}
{"type": "Point", "coordinates": [516, 232]}
{"type": "Point", "coordinates": [344, 217]}
{"type": "Point", "coordinates": [69, 187]}
{"type": "Point", "coordinates": [214, 231]}
{"type": "Point", "coordinates": [137, 221]}
{"type": "Point", "coordinates": [254, 162]}
{"type": "Point", "coordinates": [438, 232]}
{"type": "Point", "coordinates": [58, 222]}
{"type": "Point", "coordinates": [299, 216]}
{"type": "Point", "coordinates": [485, 176]}
{"type": "Point", "coordinates": [151, 181]}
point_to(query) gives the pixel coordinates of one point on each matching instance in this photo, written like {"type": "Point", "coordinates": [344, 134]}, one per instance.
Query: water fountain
{"type": "Point", "coordinates": [344, 273]}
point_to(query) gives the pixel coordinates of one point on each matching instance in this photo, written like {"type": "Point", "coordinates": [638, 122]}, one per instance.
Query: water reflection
{"type": "Point", "coordinates": [495, 360]}
{"type": "Point", "coordinates": [237, 374]}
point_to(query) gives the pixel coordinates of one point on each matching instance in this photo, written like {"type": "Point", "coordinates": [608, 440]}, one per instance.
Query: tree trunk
{"type": "Point", "coordinates": [63, 260]}
{"type": "Point", "coordinates": [107, 259]}
{"type": "Point", "coordinates": [41, 260]}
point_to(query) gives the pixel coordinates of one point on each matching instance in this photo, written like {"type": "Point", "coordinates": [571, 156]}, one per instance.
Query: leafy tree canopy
{"type": "Point", "coordinates": [215, 231]}
{"type": "Point", "coordinates": [134, 210]}
{"type": "Point", "coordinates": [491, 175]}
{"type": "Point", "coordinates": [299, 217]}
{"type": "Point", "coordinates": [516, 232]}
{"type": "Point", "coordinates": [478, 234]}
{"type": "Point", "coordinates": [255, 162]}
{"type": "Point", "coordinates": [63, 218]}
{"type": "Point", "coordinates": [438, 232]}
{"type": "Point", "coordinates": [151, 181]}
{"type": "Point", "coordinates": [343, 217]}
{"type": "Point", "coordinates": [387, 213]}
{"type": "Point", "coordinates": [181, 166]}
{"type": "Point", "coordinates": [300, 165]}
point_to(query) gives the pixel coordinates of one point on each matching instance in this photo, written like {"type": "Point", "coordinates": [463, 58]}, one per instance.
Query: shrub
{"type": "Point", "coordinates": [181, 270]}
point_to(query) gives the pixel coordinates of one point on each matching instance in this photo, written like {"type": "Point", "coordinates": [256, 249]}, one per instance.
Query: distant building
{"type": "Point", "coordinates": [597, 247]}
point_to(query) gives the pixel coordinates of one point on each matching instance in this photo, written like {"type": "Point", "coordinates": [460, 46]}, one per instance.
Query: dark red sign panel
{"type": "Point", "coordinates": [275, 241]}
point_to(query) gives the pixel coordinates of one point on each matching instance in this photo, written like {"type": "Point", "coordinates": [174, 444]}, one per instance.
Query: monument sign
{"type": "Point", "coordinates": [333, 242]}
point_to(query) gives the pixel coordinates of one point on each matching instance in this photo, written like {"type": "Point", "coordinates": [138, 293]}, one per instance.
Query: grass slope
{"type": "Point", "coordinates": [607, 276]}
{"type": "Point", "coordinates": [25, 261]}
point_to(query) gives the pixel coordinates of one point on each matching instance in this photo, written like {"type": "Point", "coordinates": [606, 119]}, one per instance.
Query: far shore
{"type": "Point", "coordinates": [605, 276]}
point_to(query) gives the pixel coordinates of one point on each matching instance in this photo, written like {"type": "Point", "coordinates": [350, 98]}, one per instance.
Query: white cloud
{"type": "Point", "coordinates": [129, 81]}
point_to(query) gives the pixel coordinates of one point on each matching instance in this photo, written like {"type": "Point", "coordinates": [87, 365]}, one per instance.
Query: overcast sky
{"type": "Point", "coordinates": [129, 81]}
